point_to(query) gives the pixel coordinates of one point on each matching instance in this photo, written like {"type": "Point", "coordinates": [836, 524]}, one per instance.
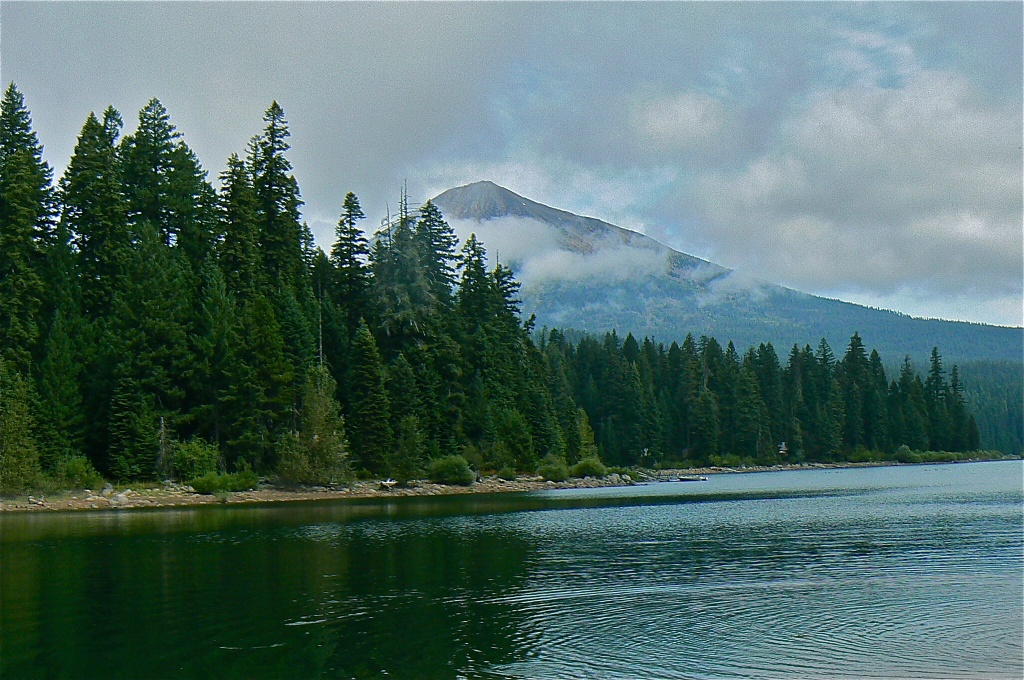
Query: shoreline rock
{"type": "Point", "coordinates": [176, 495]}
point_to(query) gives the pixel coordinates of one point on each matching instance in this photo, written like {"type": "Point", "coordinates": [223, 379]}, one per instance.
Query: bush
{"type": "Point", "coordinates": [194, 458]}
{"type": "Point", "coordinates": [214, 483]}
{"type": "Point", "coordinates": [76, 472]}
{"type": "Point", "coordinates": [589, 467]}
{"type": "Point", "coordinates": [508, 474]}
{"type": "Point", "coordinates": [553, 468]}
{"type": "Point", "coordinates": [451, 470]}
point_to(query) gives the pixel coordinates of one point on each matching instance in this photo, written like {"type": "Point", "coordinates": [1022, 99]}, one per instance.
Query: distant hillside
{"type": "Point", "coordinates": [579, 272]}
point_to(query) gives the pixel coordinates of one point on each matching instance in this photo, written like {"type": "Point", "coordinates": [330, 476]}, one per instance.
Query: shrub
{"type": "Point", "coordinates": [589, 467]}
{"type": "Point", "coordinates": [213, 483]}
{"type": "Point", "coordinates": [473, 456]}
{"type": "Point", "coordinates": [553, 468]}
{"type": "Point", "coordinates": [76, 472]}
{"type": "Point", "coordinates": [194, 458]}
{"type": "Point", "coordinates": [451, 470]}
{"type": "Point", "coordinates": [508, 474]}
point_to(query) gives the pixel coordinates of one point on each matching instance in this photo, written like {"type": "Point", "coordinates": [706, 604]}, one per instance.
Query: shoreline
{"type": "Point", "coordinates": [151, 496]}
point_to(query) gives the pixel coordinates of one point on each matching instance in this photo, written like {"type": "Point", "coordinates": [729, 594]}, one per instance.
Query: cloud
{"type": "Point", "coordinates": [538, 253]}
{"type": "Point", "coordinates": [614, 195]}
{"type": "Point", "coordinates": [880, 187]}
{"type": "Point", "coordinates": [841, 132]}
{"type": "Point", "coordinates": [678, 122]}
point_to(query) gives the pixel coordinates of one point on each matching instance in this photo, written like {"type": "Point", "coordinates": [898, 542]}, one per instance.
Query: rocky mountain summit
{"type": "Point", "coordinates": [586, 274]}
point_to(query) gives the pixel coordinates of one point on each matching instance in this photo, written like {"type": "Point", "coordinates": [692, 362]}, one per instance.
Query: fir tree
{"type": "Point", "coordinates": [436, 241]}
{"type": "Point", "coordinates": [26, 213]}
{"type": "Point", "coordinates": [318, 452]}
{"type": "Point", "coordinates": [95, 213]}
{"type": "Point", "coordinates": [19, 452]}
{"type": "Point", "coordinates": [278, 202]}
{"type": "Point", "coordinates": [239, 254]}
{"type": "Point", "coordinates": [369, 428]}
{"type": "Point", "coordinates": [350, 286]}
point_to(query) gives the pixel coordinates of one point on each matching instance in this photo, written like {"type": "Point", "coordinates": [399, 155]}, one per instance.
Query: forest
{"type": "Point", "coordinates": [156, 326]}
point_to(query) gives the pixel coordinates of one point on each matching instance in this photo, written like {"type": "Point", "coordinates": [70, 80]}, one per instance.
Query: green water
{"type": "Point", "coordinates": [881, 572]}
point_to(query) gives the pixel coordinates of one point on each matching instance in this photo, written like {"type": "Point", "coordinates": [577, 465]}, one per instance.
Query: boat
{"type": "Point", "coordinates": [690, 478]}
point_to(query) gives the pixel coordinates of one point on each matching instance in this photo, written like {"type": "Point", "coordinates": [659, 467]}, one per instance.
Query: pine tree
{"type": "Point", "coordinates": [149, 340]}
{"type": "Point", "coordinates": [95, 213]}
{"type": "Point", "coordinates": [19, 452]}
{"type": "Point", "coordinates": [239, 254]}
{"type": "Point", "coordinates": [349, 289]}
{"type": "Point", "coordinates": [936, 397]}
{"type": "Point", "coordinates": [588, 447]}
{"type": "Point", "coordinates": [369, 418]}
{"type": "Point", "coordinates": [145, 168]}
{"type": "Point", "coordinates": [257, 406]}
{"type": "Point", "coordinates": [26, 216]}
{"type": "Point", "coordinates": [318, 452]}
{"type": "Point", "coordinates": [706, 425]}
{"type": "Point", "coordinates": [60, 408]}
{"type": "Point", "coordinates": [436, 242]}
{"type": "Point", "coordinates": [212, 336]}
{"type": "Point", "coordinates": [278, 203]}
{"type": "Point", "coordinates": [408, 457]}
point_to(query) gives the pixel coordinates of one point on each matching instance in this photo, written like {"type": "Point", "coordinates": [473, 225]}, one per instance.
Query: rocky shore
{"type": "Point", "coordinates": [175, 495]}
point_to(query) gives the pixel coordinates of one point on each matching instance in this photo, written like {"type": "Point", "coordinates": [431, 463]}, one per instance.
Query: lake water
{"type": "Point", "coordinates": [897, 572]}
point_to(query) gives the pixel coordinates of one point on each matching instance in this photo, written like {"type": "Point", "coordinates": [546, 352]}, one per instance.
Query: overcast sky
{"type": "Point", "coordinates": [870, 152]}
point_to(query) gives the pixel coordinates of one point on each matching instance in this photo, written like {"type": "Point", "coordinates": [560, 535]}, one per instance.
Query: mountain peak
{"type": "Point", "coordinates": [486, 200]}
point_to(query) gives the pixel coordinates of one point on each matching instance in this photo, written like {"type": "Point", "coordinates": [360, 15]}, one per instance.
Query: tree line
{"type": "Point", "coordinates": [149, 319]}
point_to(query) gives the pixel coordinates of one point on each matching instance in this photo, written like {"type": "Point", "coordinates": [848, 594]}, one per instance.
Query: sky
{"type": "Point", "coordinates": [870, 152]}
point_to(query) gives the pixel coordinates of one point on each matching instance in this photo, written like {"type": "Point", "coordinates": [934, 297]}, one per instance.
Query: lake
{"type": "Point", "coordinates": [892, 572]}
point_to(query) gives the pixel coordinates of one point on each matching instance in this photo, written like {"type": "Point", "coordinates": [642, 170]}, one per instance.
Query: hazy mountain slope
{"type": "Point", "coordinates": [579, 272]}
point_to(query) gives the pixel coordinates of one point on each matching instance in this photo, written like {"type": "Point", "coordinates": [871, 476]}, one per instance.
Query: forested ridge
{"type": "Point", "coordinates": [156, 325]}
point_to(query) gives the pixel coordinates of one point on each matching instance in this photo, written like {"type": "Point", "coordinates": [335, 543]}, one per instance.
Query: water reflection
{"type": "Point", "coordinates": [909, 572]}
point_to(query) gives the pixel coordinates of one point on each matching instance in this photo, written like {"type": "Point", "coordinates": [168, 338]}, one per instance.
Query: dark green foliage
{"type": "Point", "coordinates": [194, 458]}
{"type": "Point", "coordinates": [407, 462]}
{"type": "Point", "coordinates": [76, 472]}
{"type": "Point", "coordinates": [225, 483]}
{"type": "Point", "coordinates": [591, 466]}
{"type": "Point", "coordinates": [60, 409]}
{"type": "Point", "coordinates": [349, 288]}
{"type": "Point", "coordinates": [95, 214]}
{"type": "Point", "coordinates": [155, 310]}
{"type": "Point", "coordinates": [317, 453]}
{"type": "Point", "coordinates": [369, 414]}
{"type": "Point", "coordinates": [553, 468]}
{"type": "Point", "coordinates": [277, 203]}
{"type": "Point", "coordinates": [453, 470]}
{"type": "Point", "coordinates": [26, 226]}
{"type": "Point", "coordinates": [19, 452]}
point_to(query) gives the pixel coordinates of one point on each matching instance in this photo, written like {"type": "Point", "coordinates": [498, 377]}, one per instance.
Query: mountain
{"type": "Point", "coordinates": [586, 274]}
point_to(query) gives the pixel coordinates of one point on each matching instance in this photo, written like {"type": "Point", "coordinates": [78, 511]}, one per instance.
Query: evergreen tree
{"type": "Point", "coordinates": [149, 340]}
{"type": "Point", "coordinates": [60, 409]}
{"type": "Point", "coordinates": [350, 288]}
{"type": "Point", "coordinates": [317, 453]}
{"type": "Point", "coordinates": [278, 202]}
{"type": "Point", "coordinates": [239, 254]}
{"type": "Point", "coordinates": [212, 340]}
{"type": "Point", "coordinates": [19, 452]}
{"type": "Point", "coordinates": [588, 447]}
{"type": "Point", "coordinates": [409, 449]}
{"type": "Point", "coordinates": [936, 396]}
{"type": "Point", "coordinates": [436, 242]}
{"type": "Point", "coordinates": [369, 419]}
{"type": "Point", "coordinates": [95, 213]}
{"type": "Point", "coordinates": [26, 216]}
{"type": "Point", "coordinates": [257, 406]}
